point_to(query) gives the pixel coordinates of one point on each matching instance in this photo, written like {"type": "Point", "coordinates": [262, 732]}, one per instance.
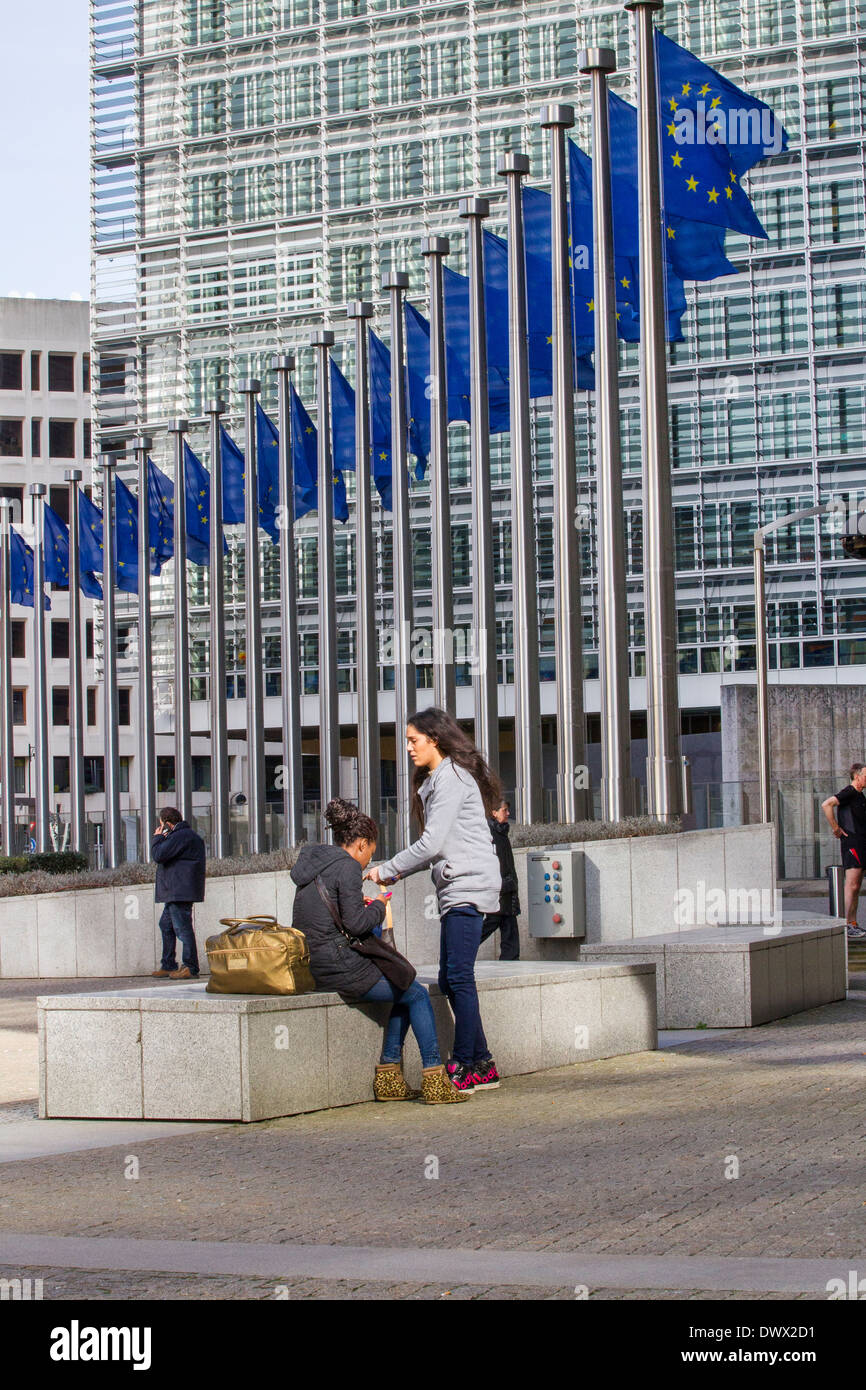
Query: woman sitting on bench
{"type": "Point", "coordinates": [356, 978]}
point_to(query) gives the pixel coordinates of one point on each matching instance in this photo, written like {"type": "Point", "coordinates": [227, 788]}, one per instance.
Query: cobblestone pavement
{"type": "Point", "coordinates": [108, 1285]}
{"type": "Point", "coordinates": [634, 1155]}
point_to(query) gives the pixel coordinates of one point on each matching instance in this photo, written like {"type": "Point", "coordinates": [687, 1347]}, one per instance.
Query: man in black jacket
{"type": "Point", "coordinates": [179, 854]}
{"type": "Point", "coordinates": [505, 920]}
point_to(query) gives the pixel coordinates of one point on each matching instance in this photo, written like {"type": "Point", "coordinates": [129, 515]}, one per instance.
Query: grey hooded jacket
{"type": "Point", "coordinates": [456, 844]}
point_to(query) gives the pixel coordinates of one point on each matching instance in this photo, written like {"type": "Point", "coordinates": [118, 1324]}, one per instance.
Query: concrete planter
{"type": "Point", "coordinates": [634, 888]}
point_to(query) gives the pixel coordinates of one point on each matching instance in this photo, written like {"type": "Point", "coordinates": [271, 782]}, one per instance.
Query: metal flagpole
{"type": "Point", "coordinates": [527, 716]}
{"type": "Point", "coordinates": [219, 755]}
{"type": "Point", "coordinates": [485, 677]}
{"type": "Point", "coordinates": [40, 683]}
{"type": "Point", "coordinates": [7, 760]}
{"type": "Point", "coordinates": [396, 283]}
{"type": "Point", "coordinates": [762, 677]}
{"type": "Point", "coordinates": [250, 388]}
{"type": "Point", "coordinates": [109, 665]}
{"type": "Point", "coordinates": [435, 249]}
{"type": "Point", "coordinates": [664, 761]}
{"type": "Point", "coordinates": [76, 665]}
{"type": "Point", "coordinates": [182, 712]}
{"type": "Point", "coordinates": [369, 752]}
{"type": "Point", "coordinates": [616, 782]}
{"type": "Point", "coordinates": [568, 612]}
{"type": "Point", "coordinates": [329, 704]}
{"type": "Point", "coordinates": [146, 714]}
{"type": "Point", "coordinates": [293, 776]}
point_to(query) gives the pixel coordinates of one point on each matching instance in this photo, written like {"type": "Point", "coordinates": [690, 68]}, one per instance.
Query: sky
{"type": "Point", "coordinates": [44, 175]}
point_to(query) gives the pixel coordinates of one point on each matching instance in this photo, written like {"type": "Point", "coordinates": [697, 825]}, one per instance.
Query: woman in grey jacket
{"type": "Point", "coordinates": [453, 793]}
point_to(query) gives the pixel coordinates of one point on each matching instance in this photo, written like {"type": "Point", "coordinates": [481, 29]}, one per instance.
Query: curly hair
{"type": "Point", "coordinates": [349, 824]}
{"type": "Point", "coordinates": [453, 743]}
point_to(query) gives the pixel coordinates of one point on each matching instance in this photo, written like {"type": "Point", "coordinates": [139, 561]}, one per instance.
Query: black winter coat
{"type": "Point", "coordinates": [180, 865]}
{"type": "Point", "coordinates": [335, 965]}
{"type": "Point", "coordinates": [509, 902]}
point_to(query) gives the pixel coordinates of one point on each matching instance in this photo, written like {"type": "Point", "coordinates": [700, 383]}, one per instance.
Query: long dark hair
{"type": "Point", "coordinates": [453, 743]}
{"type": "Point", "coordinates": [349, 824]}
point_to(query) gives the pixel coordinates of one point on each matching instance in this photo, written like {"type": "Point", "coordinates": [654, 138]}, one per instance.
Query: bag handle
{"type": "Point", "coordinates": [237, 923]}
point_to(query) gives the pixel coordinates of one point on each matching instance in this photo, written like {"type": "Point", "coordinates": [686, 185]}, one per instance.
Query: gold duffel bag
{"type": "Point", "coordinates": [258, 956]}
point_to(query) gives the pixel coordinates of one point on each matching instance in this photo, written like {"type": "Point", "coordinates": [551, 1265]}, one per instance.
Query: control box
{"type": "Point", "coordinates": [557, 904]}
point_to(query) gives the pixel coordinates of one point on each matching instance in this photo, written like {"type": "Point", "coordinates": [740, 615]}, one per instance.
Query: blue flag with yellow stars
{"type": "Point", "coordinates": [57, 556]}
{"type": "Point", "coordinates": [744, 125]}
{"type": "Point", "coordinates": [197, 489]}
{"type": "Point", "coordinates": [418, 387]}
{"type": "Point", "coordinates": [232, 460]}
{"type": "Point", "coordinates": [457, 336]}
{"type": "Point", "coordinates": [268, 467]}
{"type": "Point", "coordinates": [342, 420]}
{"type": "Point", "coordinates": [624, 207]}
{"type": "Point", "coordinates": [711, 133]}
{"type": "Point", "coordinates": [305, 462]}
{"type": "Point", "coordinates": [160, 503]}
{"type": "Point", "coordinates": [89, 534]}
{"type": "Point", "coordinates": [126, 537]}
{"type": "Point", "coordinates": [695, 250]}
{"type": "Point", "coordinates": [380, 418]}
{"type": "Point", "coordinates": [539, 300]}
{"type": "Point", "coordinates": [21, 572]}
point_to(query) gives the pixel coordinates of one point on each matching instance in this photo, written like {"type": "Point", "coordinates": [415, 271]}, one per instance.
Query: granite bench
{"type": "Point", "coordinates": [175, 1052]}
{"type": "Point", "coordinates": [739, 976]}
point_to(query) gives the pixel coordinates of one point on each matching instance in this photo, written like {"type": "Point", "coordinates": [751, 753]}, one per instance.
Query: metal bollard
{"type": "Point", "coordinates": [836, 888]}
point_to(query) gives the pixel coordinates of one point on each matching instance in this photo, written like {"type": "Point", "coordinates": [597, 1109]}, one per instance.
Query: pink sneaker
{"type": "Point", "coordinates": [488, 1076]}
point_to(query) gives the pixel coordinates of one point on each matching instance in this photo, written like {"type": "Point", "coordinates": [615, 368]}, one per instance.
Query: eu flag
{"type": "Point", "coordinates": [711, 133]}
{"type": "Point", "coordinates": [342, 420]}
{"type": "Point", "coordinates": [160, 503]}
{"type": "Point", "coordinates": [626, 275]}
{"type": "Point", "coordinates": [539, 295]}
{"type": "Point", "coordinates": [197, 489]}
{"type": "Point", "coordinates": [89, 534]}
{"type": "Point", "coordinates": [305, 461]}
{"type": "Point", "coordinates": [21, 581]}
{"type": "Point", "coordinates": [418, 383]}
{"type": "Point", "coordinates": [746, 127]}
{"type": "Point", "coordinates": [695, 250]}
{"type": "Point", "coordinates": [380, 417]}
{"type": "Point", "coordinates": [125, 537]}
{"type": "Point", "coordinates": [57, 556]}
{"type": "Point", "coordinates": [233, 479]}
{"type": "Point", "coordinates": [268, 469]}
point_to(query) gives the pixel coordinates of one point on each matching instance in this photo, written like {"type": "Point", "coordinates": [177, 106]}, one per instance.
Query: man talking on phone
{"type": "Point", "coordinates": [179, 854]}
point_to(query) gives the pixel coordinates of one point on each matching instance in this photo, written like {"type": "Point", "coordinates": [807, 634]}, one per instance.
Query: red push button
{"type": "Point", "coordinates": [556, 864]}
{"type": "Point", "coordinates": [557, 916]}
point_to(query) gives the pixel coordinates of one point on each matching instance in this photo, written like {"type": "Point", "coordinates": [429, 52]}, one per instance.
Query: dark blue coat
{"type": "Point", "coordinates": [180, 865]}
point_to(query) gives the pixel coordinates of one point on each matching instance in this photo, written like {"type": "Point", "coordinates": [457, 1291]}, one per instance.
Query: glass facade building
{"type": "Point", "coordinates": [258, 163]}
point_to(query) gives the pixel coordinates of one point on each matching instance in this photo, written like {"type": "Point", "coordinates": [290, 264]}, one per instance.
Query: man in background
{"type": "Point", "coordinates": [505, 920]}
{"type": "Point", "coordinates": [846, 815]}
{"type": "Point", "coordinates": [179, 854]}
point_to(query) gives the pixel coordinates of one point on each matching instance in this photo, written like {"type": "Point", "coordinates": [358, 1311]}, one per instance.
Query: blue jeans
{"type": "Point", "coordinates": [412, 1007]}
{"type": "Point", "coordinates": [459, 940]}
{"type": "Point", "coordinates": [176, 925]}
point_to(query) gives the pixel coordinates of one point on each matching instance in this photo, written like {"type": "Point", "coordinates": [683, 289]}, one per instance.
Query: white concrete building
{"type": "Point", "coordinates": [45, 429]}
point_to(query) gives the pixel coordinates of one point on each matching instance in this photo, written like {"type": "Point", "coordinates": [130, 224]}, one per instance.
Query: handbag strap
{"type": "Point", "coordinates": [331, 906]}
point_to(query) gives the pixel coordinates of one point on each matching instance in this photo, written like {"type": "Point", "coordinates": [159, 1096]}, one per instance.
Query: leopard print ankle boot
{"type": "Point", "coordinates": [437, 1087]}
{"type": "Point", "coordinates": [390, 1085]}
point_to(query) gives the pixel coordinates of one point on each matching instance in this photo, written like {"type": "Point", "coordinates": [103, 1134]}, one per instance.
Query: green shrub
{"type": "Point", "coordinates": [67, 861]}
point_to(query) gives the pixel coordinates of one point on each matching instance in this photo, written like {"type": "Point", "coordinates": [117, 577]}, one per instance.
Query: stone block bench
{"type": "Point", "coordinates": [174, 1052]}
{"type": "Point", "coordinates": [737, 977]}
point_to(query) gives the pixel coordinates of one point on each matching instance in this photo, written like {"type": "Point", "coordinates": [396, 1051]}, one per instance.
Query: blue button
{"type": "Point", "coordinates": [547, 898]}
{"type": "Point", "coordinates": [557, 899]}
{"type": "Point", "coordinates": [547, 876]}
